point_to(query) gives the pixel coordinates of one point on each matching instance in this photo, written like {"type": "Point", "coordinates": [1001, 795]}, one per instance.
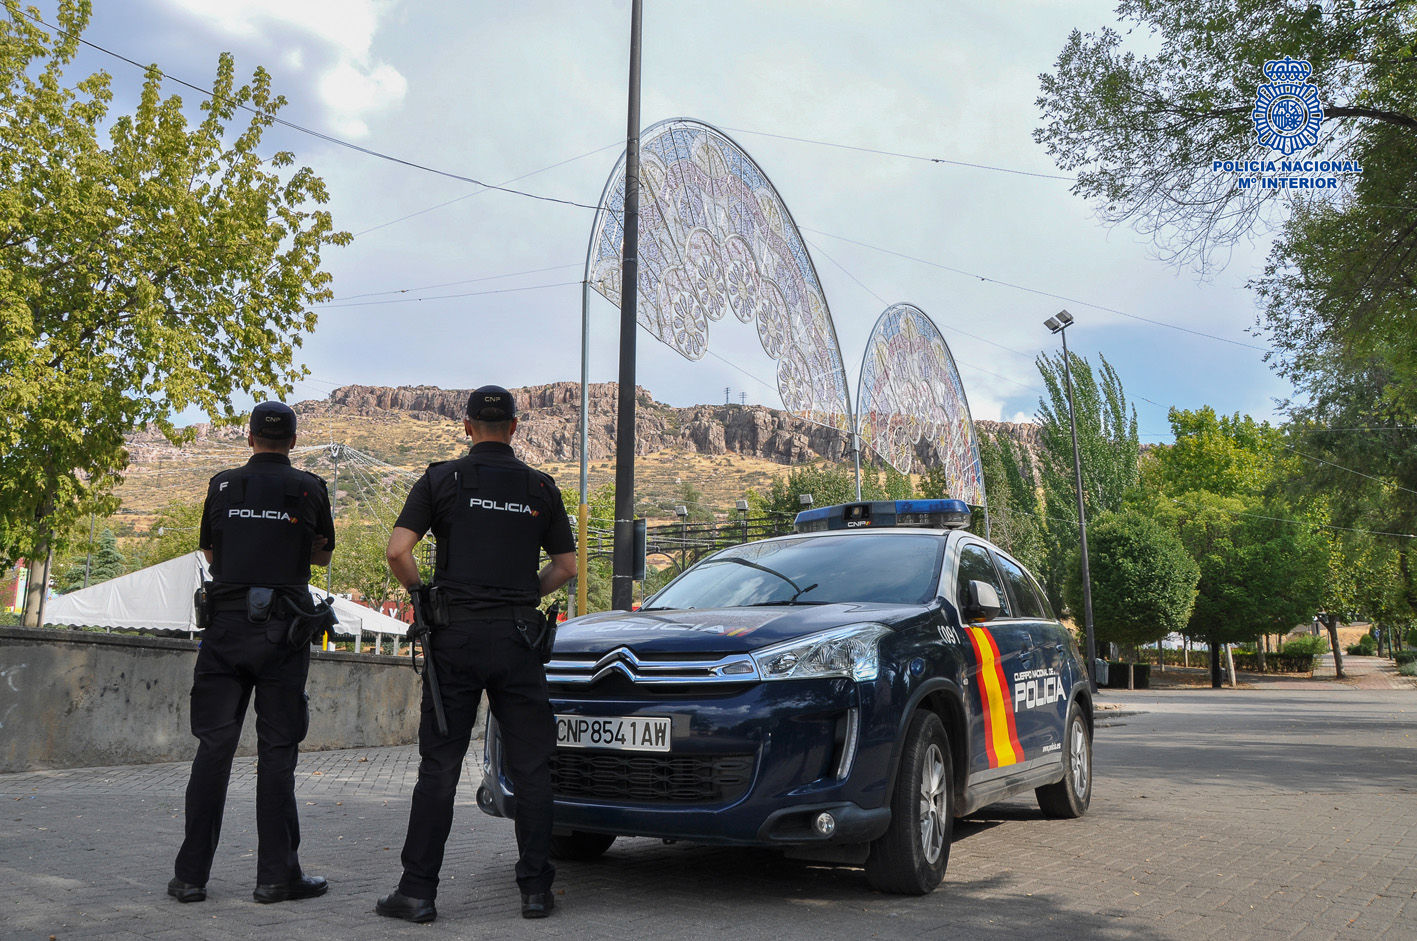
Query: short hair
{"type": "Point", "coordinates": [497, 429]}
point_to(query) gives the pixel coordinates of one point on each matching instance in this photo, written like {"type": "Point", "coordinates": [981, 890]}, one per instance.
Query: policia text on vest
{"type": "Point", "coordinates": [263, 525]}
{"type": "Point", "coordinates": [492, 516]}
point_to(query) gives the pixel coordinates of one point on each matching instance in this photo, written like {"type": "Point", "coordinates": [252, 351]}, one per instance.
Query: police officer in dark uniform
{"type": "Point", "coordinates": [491, 516]}
{"type": "Point", "coordinates": [263, 525]}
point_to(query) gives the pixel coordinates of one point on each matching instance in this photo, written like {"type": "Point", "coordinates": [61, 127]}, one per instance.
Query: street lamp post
{"type": "Point", "coordinates": [682, 512]}
{"type": "Point", "coordinates": [743, 517]}
{"type": "Point", "coordinates": [1059, 324]}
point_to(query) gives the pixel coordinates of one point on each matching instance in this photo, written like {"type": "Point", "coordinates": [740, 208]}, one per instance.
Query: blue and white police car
{"type": "Point", "coordinates": [842, 693]}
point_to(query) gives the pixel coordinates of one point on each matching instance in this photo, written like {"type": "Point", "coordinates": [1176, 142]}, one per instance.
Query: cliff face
{"type": "Point", "coordinates": [550, 418]}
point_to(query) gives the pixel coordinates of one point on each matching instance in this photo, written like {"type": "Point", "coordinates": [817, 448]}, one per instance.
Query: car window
{"type": "Point", "coordinates": [865, 568]}
{"type": "Point", "coordinates": [1026, 601]}
{"type": "Point", "coordinates": [975, 565]}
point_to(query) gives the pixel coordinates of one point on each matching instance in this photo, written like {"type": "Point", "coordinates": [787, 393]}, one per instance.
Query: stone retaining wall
{"type": "Point", "coordinates": [76, 699]}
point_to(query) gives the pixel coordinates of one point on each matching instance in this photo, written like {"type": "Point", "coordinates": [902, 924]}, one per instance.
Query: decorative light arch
{"type": "Point", "coordinates": [911, 403]}
{"type": "Point", "coordinates": [715, 237]}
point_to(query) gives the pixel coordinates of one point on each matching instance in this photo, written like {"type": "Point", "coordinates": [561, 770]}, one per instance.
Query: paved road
{"type": "Point", "coordinates": [1286, 811]}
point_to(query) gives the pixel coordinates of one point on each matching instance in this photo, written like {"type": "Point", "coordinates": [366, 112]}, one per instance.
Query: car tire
{"type": "Point", "coordinates": [580, 845]}
{"type": "Point", "coordinates": [911, 857]}
{"type": "Point", "coordinates": [1070, 797]}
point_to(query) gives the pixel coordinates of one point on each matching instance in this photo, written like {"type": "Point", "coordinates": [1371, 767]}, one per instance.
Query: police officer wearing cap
{"type": "Point", "coordinates": [263, 526]}
{"type": "Point", "coordinates": [491, 516]}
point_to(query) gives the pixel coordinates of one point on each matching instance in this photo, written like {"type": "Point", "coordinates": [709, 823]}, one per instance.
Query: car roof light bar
{"type": "Point", "coordinates": [886, 514]}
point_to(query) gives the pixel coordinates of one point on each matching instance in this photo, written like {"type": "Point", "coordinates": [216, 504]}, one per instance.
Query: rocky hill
{"type": "Point", "coordinates": [550, 417]}
{"type": "Point", "coordinates": [720, 450]}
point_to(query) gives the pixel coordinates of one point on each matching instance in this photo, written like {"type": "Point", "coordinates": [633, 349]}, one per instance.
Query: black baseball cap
{"type": "Point", "coordinates": [491, 403]}
{"type": "Point", "coordinates": [273, 420]}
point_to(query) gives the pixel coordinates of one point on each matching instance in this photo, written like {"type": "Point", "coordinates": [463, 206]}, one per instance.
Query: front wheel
{"type": "Point", "coordinates": [910, 858]}
{"type": "Point", "coordinates": [580, 845]}
{"type": "Point", "coordinates": [1071, 796]}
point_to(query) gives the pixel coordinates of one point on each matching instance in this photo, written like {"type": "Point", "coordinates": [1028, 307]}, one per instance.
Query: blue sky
{"type": "Point", "coordinates": [496, 91]}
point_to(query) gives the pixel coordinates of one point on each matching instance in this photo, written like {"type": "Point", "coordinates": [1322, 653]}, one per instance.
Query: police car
{"type": "Point", "coordinates": [842, 693]}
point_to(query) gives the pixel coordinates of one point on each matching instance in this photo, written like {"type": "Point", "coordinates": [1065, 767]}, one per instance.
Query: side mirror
{"type": "Point", "coordinates": [981, 602]}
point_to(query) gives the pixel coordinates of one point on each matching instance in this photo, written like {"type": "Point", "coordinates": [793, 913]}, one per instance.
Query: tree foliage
{"type": "Point", "coordinates": [1231, 455]}
{"type": "Point", "coordinates": [1143, 580]}
{"type": "Point", "coordinates": [1109, 447]}
{"type": "Point", "coordinates": [1141, 131]}
{"type": "Point", "coordinates": [1015, 513]}
{"type": "Point", "coordinates": [171, 267]}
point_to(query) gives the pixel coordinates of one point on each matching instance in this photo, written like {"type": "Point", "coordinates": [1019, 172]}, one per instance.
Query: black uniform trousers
{"type": "Point", "coordinates": [236, 657]}
{"type": "Point", "coordinates": [472, 656]}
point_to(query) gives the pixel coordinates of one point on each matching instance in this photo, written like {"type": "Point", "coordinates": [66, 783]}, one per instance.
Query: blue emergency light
{"type": "Point", "coordinates": [878, 514]}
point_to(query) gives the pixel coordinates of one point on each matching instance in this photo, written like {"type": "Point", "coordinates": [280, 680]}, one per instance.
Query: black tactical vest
{"type": "Point", "coordinates": [494, 538]}
{"type": "Point", "coordinates": [261, 533]}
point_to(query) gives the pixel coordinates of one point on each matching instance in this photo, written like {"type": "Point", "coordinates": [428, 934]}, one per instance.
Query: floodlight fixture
{"type": "Point", "coordinates": [1052, 324]}
{"type": "Point", "coordinates": [743, 506]}
{"type": "Point", "coordinates": [805, 499]}
{"type": "Point", "coordinates": [681, 511]}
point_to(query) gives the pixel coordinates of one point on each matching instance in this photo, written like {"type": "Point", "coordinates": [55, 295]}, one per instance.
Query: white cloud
{"type": "Point", "coordinates": [352, 83]}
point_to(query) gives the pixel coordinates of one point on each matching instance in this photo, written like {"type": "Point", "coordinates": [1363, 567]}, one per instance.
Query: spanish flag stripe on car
{"type": "Point", "coordinates": [1000, 733]}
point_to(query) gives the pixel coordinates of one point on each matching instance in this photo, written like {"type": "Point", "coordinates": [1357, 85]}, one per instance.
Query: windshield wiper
{"type": "Point", "coordinates": [763, 568]}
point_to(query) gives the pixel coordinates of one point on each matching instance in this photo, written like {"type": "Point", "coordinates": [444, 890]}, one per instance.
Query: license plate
{"type": "Point", "coordinates": [613, 733]}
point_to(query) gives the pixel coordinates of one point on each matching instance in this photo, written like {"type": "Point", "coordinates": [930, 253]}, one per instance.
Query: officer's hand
{"type": "Point", "coordinates": [318, 543]}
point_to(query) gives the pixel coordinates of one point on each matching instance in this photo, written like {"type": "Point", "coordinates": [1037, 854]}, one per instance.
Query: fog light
{"type": "Point", "coordinates": [825, 823]}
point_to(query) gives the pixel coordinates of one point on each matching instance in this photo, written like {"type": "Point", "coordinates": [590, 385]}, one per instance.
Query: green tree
{"type": "Point", "coordinates": [829, 484]}
{"type": "Point", "coordinates": [176, 532]}
{"type": "Point", "coordinates": [1143, 580]}
{"type": "Point", "coordinates": [1014, 521]}
{"type": "Point", "coordinates": [172, 268]}
{"type": "Point", "coordinates": [106, 562]}
{"type": "Point", "coordinates": [359, 564]}
{"type": "Point", "coordinates": [1262, 570]}
{"type": "Point", "coordinates": [1107, 443]}
{"type": "Point", "coordinates": [1230, 455]}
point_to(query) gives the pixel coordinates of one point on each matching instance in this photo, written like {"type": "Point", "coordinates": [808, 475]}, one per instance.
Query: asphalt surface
{"type": "Point", "coordinates": [1283, 811]}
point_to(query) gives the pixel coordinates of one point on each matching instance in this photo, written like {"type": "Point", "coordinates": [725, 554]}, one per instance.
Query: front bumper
{"type": "Point", "coordinates": [753, 767]}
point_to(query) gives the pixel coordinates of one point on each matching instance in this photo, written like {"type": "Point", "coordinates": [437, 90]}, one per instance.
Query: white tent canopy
{"type": "Point", "coordinates": [159, 597]}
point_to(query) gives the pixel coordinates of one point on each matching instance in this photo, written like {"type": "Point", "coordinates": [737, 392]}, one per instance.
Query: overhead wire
{"type": "Point", "coordinates": [447, 297]}
{"type": "Point", "coordinates": [1037, 291]}
{"type": "Point", "coordinates": [892, 153]}
{"type": "Point", "coordinates": [291, 125]}
{"type": "Point", "coordinates": [450, 284]}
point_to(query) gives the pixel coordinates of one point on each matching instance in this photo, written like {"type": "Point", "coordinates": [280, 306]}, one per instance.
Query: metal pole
{"type": "Point", "coordinates": [856, 456]}
{"type": "Point", "coordinates": [1082, 521]}
{"type": "Point", "coordinates": [88, 557]}
{"type": "Point", "coordinates": [583, 514]}
{"type": "Point", "coordinates": [335, 452]}
{"type": "Point", "coordinates": [622, 586]}
{"type": "Point", "coordinates": [44, 584]}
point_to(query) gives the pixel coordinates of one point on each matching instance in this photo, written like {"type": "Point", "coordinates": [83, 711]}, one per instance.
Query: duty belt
{"type": "Point", "coordinates": [506, 612]}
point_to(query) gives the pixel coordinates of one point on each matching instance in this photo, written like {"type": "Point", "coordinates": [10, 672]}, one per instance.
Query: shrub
{"type": "Point", "coordinates": [1367, 646]}
{"type": "Point", "coordinates": [1404, 656]}
{"type": "Point", "coordinates": [1309, 645]}
{"type": "Point", "coordinates": [1408, 669]}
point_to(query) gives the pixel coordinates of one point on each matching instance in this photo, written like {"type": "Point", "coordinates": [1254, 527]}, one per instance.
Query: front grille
{"type": "Point", "coordinates": [669, 779]}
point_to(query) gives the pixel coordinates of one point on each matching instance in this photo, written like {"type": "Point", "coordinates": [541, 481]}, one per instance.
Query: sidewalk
{"type": "Point", "coordinates": [1283, 813]}
{"type": "Point", "coordinates": [1364, 672]}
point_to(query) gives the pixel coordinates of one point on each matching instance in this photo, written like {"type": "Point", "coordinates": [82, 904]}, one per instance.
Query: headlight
{"type": "Point", "coordinates": [844, 651]}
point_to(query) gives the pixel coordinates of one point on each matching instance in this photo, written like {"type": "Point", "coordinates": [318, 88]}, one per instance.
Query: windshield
{"type": "Point", "coordinates": [898, 568]}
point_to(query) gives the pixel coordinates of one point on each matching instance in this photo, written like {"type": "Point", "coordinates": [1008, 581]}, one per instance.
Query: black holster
{"type": "Point", "coordinates": [538, 629]}
{"type": "Point", "coordinates": [309, 619]}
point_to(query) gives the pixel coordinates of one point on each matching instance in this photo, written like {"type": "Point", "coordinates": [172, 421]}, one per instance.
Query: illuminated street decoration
{"type": "Point", "coordinates": [912, 407]}
{"type": "Point", "coordinates": [715, 238]}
